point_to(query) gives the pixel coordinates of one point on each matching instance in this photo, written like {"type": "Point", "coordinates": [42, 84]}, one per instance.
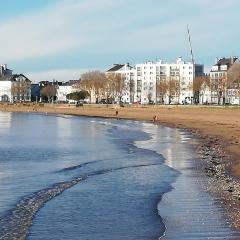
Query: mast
{"type": "Point", "coordinates": [190, 45]}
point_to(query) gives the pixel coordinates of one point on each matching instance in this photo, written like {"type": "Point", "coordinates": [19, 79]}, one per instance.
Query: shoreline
{"type": "Point", "coordinates": [220, 158]}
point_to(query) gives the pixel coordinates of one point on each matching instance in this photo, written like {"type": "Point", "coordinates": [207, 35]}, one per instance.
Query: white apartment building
{"type": "Point", "coordinates": [145, 82]}
{"type": "Point", "coordinates": [5, 91]}
{"type": "Point", "coordinates": [66, 88]}
{"type": "Point", "coordinates": [15, 88]}
{"type": "Point", "coordinates": [128, 73]}
{"type": "Point", "coordinates": [167, 82]}
{"type": "Point", "coordinates": [63, 91]}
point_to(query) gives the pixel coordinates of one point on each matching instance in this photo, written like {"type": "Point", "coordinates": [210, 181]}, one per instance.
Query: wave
{"type": "Point", "coordinates": [15, 224]}
{"type": "Point", "coordinates": [71, 168]}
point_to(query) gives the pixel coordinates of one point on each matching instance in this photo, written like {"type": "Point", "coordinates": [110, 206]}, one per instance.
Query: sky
{"type": "Point", "coordinates": [60, 39]}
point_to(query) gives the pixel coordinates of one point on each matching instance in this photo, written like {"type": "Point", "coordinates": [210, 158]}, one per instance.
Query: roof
{"type": "Point", "coordinates": [115, 67]}
{"type": "Point", "coordinates": [226, 61]}
{"type": "Point", "coordinates": [13, 77]}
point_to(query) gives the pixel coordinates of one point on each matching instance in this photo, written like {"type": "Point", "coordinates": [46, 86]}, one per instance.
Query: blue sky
{"type": "Point", "coordinates": [60, 39]}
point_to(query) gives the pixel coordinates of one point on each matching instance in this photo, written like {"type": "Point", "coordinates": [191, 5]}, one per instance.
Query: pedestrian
{"type": "Point", "coordinates": [154, 118]}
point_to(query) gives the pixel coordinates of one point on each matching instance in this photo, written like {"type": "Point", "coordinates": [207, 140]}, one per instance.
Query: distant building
{"type": "Point", "coordinates": [127, 73]}
{"type": "Point", "coordinates": [159, 82]}
{"type": "Point", "coordinates": [35, 92]}
{"type": "Point", "coordinates": [66, 88]}
{"type": "Point", "coordinates": [52, 91]}
{"type": "Point", "coordinates": [15, 88]}
{"type": "Point", "coordinates": [4, 71]}
{"type": "Point", "coordinates": [219, 85]}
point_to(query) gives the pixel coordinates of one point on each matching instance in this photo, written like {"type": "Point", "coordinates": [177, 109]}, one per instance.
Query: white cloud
{"type": "Point", "coordinates": [59, 28]}
{"type": "Point", "coordinates": [100, 28]}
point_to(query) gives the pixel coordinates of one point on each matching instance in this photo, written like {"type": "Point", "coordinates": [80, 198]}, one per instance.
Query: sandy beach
{"type": "Point", "coordinates": [218, 129]}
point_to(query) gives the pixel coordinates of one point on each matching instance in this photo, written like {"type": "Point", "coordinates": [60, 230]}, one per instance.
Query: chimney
{"type": "Point", "coordinates": [216, 60]}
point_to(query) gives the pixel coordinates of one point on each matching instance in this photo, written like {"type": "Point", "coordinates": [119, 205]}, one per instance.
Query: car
{"type": "Point", "coordinates": [71, 101]}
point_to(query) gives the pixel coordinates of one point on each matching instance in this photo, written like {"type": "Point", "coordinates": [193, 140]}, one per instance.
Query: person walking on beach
{"type": "Point", "coordinates": [116, 114]}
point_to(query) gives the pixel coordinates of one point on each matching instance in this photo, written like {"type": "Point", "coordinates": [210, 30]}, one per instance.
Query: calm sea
{"type": "Point", "coordinates": [67, 177]}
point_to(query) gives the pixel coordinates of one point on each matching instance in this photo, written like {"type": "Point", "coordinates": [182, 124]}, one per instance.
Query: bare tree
{"type": "Point", "coordinates": [173, 89]}
{"type": "Point", "coordinates": [149, 97]}
{"type": "Point", "coordinates": [20, 90]}
{"type": "Point", "coordinates": [200, 84]}
{"type": "Point", "coordinates": [49, 91]}
{"type": "Point", "coordinates": [161, 89]}
{"type": "Point", "coordinates": [233, 77]}
{"type": "Point", "coordinates": [116, 86]}
{"type": "Point", "coordinates": [94, 82]}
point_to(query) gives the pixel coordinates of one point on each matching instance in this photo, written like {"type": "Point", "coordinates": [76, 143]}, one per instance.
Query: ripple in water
{"type": "Point", "coordinates": [16, 223]}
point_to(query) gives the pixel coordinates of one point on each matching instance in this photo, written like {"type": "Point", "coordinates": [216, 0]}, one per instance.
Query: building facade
{"type": "Point", "coordinates": [128, 75]}
{"type": "Point", "coordinates": [4, 71]}
{"type": "Point", "coordinates": [15, 88]}
{"type": "Point", "coordinates": [66, 88]}
{"type": "Point", "coordinates": [223, 90]}
{"type": "Point", "coordinates": [159, 82]}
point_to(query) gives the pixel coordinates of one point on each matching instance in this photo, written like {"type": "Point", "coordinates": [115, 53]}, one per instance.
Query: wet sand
{"type": "Point", "coordinates": [218, 129]}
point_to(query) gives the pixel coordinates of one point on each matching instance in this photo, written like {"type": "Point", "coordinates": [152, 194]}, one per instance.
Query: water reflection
{"type": "Point", "coordinates": [5, 121]}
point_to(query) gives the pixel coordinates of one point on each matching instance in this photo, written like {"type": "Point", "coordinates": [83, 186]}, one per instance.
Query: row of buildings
{"type": "Point", "coordinates": [160, 82]}
{"type": "Point", "coordinates": [180, 82]}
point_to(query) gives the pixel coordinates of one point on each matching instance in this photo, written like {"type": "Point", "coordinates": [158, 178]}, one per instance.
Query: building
{"type": "Point", "coordinates": [4, 71]}
{"type": "Point", "coordinates": [35, 92]}
{"type": "Point", "coordinates": [65, 88]}
{"type": "Point", "coordinates": [128, 75]}
{"type": "Point", "coordinates": [15, 88]}
{"type": "Point", "coordinates": [162, 82]}
{"type": "Point", "coordinates": [221, 90]}
{"type": "Point", "coordinates": [48, 90]}
{"type": "Point", "coordinates": [159, 82]}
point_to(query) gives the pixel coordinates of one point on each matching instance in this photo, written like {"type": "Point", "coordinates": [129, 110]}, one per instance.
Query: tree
{"type": "Point", "coordinates": [20, 90]}
{"type": "Point", "coordinates": [81, 95]}
{"type": "Point", "coordinates": [48, 91]}
{"type": "Point", "coordinates": [94, 82]}
{"type": "Point", "coordinates": [115, 86]}
{"type": "Point", "coordinates": [233, 77]}
{"type": "Point", "coordinates": [200, 84]}
{"type": "Point", "coordinates": [173, 88]}
{"type": "Point", "coordinates": [161, 89]}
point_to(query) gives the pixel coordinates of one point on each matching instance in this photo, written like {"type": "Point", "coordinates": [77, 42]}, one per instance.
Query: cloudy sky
{"type": "Point", "coordinates": [60, 39]}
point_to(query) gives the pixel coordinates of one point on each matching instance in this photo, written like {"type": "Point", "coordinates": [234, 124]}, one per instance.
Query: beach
{"type": "Point", "coordinates": [217, 128]}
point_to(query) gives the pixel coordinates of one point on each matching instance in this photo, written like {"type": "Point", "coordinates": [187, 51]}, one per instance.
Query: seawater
{"type": "Point", "coordinates": [67, 177]}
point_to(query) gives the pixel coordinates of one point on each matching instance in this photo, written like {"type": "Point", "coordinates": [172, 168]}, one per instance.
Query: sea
{"type": "Point", "coordinates": [81, 178]}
